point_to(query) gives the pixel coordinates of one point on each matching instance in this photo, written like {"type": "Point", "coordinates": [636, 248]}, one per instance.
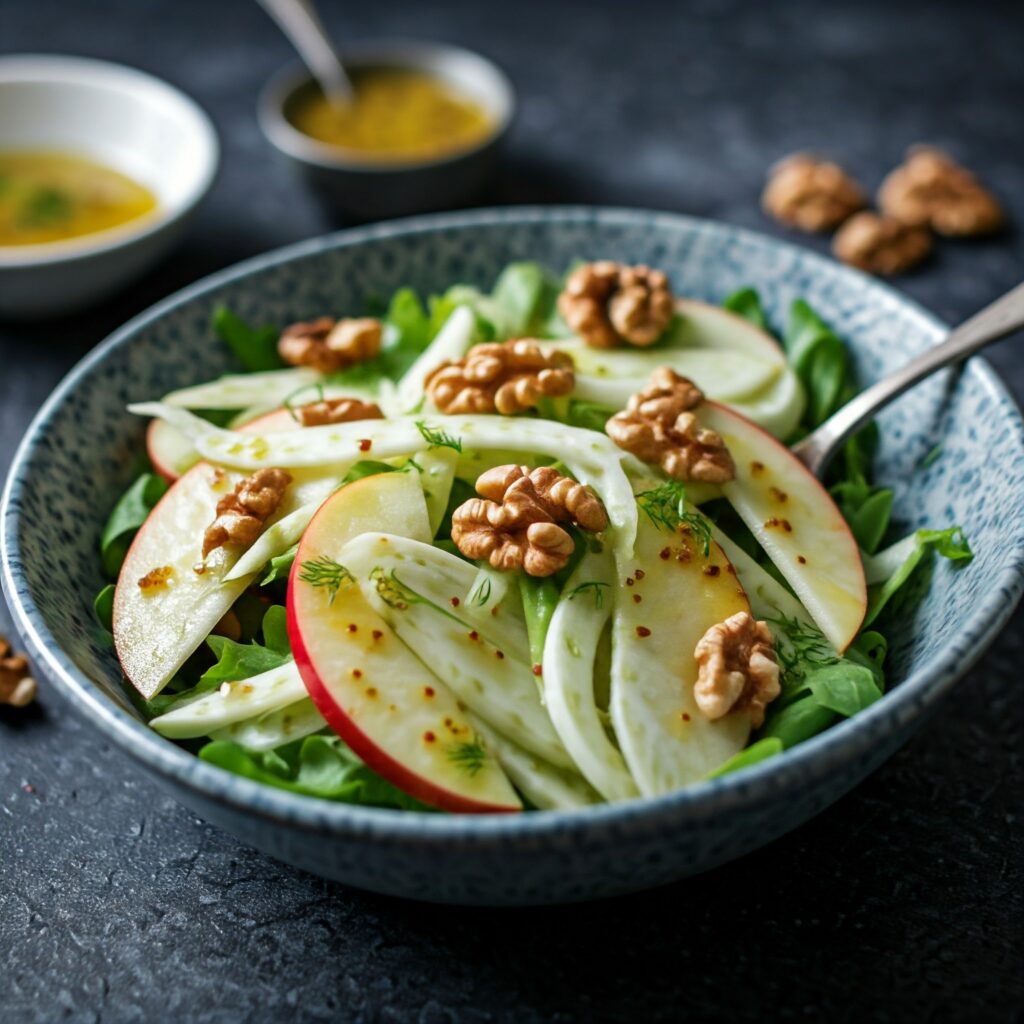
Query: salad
{"type": "Point", "coordinates": [539, 547]}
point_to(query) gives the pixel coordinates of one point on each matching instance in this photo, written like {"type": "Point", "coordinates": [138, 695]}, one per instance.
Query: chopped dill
{"type": "Point", "coordinates": [325, 572]}
{"type": "Point", "coordinates": [665, 506]}
{"type": "Point", "coordinates": [593, 587]}
{"type": "Point", "coordinates": [469, 756]}
{"type": "Point", "coordinates": [396, 594]}
{"type": "Point", "coordinates": [438, 438]}
{"type": "Point", "coordinates": [482, 594]}
{"type": "Point", "coordinates": [805, 648]}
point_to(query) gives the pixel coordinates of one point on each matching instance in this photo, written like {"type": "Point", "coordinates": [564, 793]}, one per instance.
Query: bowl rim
{"type": "Point", "coordinates": [809, 761]}
{"type": "Point", "coordinates": [287, 139]}
{"type": "Point", "coordinates": [68, 71]}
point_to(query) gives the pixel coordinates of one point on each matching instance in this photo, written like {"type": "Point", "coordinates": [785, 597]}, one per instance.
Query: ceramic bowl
{"type": "Point", "coordinates": [363, 189]}
{"type": "Point", "coordinates": [78, 454]}
{"type": "Point", "coordinates": [124, 119]}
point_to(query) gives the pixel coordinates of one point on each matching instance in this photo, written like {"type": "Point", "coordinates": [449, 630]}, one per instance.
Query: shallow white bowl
{"type": "Point", "coordinates": [124, 119]}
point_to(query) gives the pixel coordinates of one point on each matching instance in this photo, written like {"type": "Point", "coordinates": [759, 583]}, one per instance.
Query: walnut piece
{"type": "Point", "coordinates": [242, 513]}
{"type": "Point", "coordinates": [336, 410]}
{"type": "Point", "coordinates": [515, 522]}
{"type": "Point", "coordinates": [881, 244]}
{"type": "Point", "coordinates": [810, 194]}
{"type": "Point", "coordinates": [930, 189]}
{"type": "Point", "coordinates": [607, 303]}
{"type": "Point", "coordinates": [737, 668]}
{"type": "Point", "coordinates": [657, 426]}
{"type": "Point", "coordinates": [505, 377]}
{"type": "Point", "coordinates": [328, 345]}
{"type": "Point", "coordinates": [17, 687]}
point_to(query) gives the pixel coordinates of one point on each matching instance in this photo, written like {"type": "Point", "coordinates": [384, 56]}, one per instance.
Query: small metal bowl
{"type": "Point", "coordinates": [362, 188]}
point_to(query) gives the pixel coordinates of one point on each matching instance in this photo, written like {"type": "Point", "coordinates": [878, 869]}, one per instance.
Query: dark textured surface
{"type": "Point", "coordinates": [901, 902]}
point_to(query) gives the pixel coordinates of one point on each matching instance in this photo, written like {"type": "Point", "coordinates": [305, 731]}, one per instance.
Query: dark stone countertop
{"type": "Point", "coordinates": [901, 902]}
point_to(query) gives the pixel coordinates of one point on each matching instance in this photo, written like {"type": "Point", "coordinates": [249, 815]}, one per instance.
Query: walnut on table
{"type": "Point", "coordinates": [328, 345]}
{"type": "Point", "coordinates": [17, 687]}
{"type": "Point", "coordinates": [608, 304]}
{"type": "Point", "coordinates": [736, 668]}
{"type": "Point", "coordinates": [516, 521]}
{"type": "Point", "coordinates": [810, 194]}
{"type": "Point", "coordinates": [242, 514]}
{"type": "Point", "coordinates": [336, 410]}
{"type": "Point", "coordinates": [505, 377]}
{"type": "Point", "coordinates": [658, 426]}
{"type": "Point", "coordinates": [930, 189]}
{"type": "Point", "coordinates": [880, 244]}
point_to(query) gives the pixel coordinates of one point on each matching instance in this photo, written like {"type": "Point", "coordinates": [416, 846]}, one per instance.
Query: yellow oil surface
{"type": "Point", "coordinates": [395, 115]}
{"type": "Point", "coordinates": [48, 196]}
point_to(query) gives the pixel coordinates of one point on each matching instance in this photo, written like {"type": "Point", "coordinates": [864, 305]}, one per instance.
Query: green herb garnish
{"type": "Point", "coordinates": [438, 438]}
{"type": "Point", "coordinates": [591, 587]}
{"type": "Point", "coordinates": [469, 756]}
{"type": "Point", "coordinates": [665, 506]}
{"type": "Point", "coordinates": [325, 572]}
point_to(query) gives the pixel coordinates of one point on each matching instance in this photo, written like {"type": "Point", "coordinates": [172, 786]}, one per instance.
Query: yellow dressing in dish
{"type": "Point", "coordinates": [49, 196]}
{"type": "Point", "coordinates": [396, 115]}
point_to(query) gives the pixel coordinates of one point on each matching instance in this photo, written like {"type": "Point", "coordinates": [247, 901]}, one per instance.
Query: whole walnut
{"type": "Point", "coordinates": [810, 194]}
{"type": "Point", "coordinates": [881, 244]}
{"type": "Point", "coordinates": [930, 189]}
{"type": "Point", "coordinates": [608, 304]}
{"type": "Point", "coordinates": [328, 345]}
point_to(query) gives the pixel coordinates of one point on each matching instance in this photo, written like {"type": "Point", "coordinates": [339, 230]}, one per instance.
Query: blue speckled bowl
{"type": "Point", "coordinates": [78, 453]}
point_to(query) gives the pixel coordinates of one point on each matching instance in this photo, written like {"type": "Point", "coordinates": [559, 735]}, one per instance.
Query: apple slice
{"type": "Point", "coordinates": [392, 711]}
{"type": "Point", "coordinates": [702, 325]}
{"type": "Point", "coordinates": [796, 522]}
{"type": "Point", "coordinates": [668, 598]}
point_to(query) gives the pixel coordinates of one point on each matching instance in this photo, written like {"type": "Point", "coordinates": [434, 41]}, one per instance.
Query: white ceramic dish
{"type": "Point", "coordinates": [120, 117]}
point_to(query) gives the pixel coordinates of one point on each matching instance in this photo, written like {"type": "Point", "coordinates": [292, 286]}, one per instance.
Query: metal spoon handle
{"type": "Point", "coordinates": [1002, 317]}
{"type": "Point", "coordinates": [299, 21]}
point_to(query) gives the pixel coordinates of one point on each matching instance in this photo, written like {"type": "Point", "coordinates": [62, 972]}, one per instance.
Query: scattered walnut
{"type": "Point", "coordinates": [810, 194]}
{"type": "Point", "coordinates": [506, 377]}
{"type": "Point", "coordinates": [737, 668]}
{"type": "Point", "coordinates": [17, 687]}
{"type": "Point", "coordinates": [608, 303]}
{"type": "Point", "coordinates": [242, 513]}
{"type": "Point", "coordinates": [329, 345]}
{"type": "Point", "coordinates": [657, 426]}
{"type": "Point", "coordinates": [337, 410]}
{"type": "Point", "coordinates": [156, 579]}
{"type": "Point", "coordinates": [516, 521]}
{"type": "Point", "coordinates": [930, 189]}
{"type": "Point", "coordinates": [880, 244]}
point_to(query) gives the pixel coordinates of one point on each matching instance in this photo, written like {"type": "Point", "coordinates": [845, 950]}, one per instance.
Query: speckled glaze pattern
{"type": "Point", "coordinates": [80, 449]}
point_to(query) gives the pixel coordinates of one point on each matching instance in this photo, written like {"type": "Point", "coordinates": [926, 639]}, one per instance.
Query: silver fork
{"type": "Point", "coordinates": [995, 321]}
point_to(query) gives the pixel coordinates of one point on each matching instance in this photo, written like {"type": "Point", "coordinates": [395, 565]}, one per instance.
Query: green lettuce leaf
{"type": "Point", "coordinates": [747, 303]}
{"type": "Point", "coordinates": [760, 750]}
{"type": "Point", "coordinates": [242, 661]}
{"type": "Point", "coordinates": [128, 515]}
{"type": "Point", "coordinates": [819, 359]}
{"type": "Point", "coordinates": [321, 766]}
{"type": "Point", "coordinates": [254, 347]}
{"type": "Point", "coordinates": [890, 570]}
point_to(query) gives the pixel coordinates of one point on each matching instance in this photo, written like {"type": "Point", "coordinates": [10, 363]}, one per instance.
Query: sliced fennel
{"type": "Point", "coordinates": [569, 654]}
{"type": "Point", "coordinates": [233, 702]}
{"type": "Point", "coordinates": [450, 344]}
{"type": "Point", "coordinates": [593, 458]}
{"type": "Point", "coordinates": [274, 728]}
{"type": "Point", "coordinates": [267, 390]}
{"type": "Point", "coordinates": [491, 682]}
{"type": "Point", "coordinates": [778, 408]}
{"type": "Point", "coordinates": [546, 786]}
{"type": "Point", "coordinates": [437, 474]}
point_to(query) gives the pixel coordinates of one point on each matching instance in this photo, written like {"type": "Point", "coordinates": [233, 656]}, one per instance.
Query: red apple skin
{"type": "Point", "coordinates": [378, 760]}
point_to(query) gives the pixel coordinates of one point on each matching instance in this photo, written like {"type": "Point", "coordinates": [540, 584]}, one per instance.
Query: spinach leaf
{"type": "Point", "coordinates": [819, 359]}
{"type": "Point", "coordinates": [319, 765]}
{"type": "Point", "coordinates": [797, 722]}
{"type": "Point", "coordinates": [760, 750]}
{"type": "Point", "coordinates": [254, 347]}
{"type": "Point", "coordinates": [103, 607]}
{"type": "Point", "coordinates": [130, 512]}
{"type": "Point", "coordinates": [747, 303]}
{"type": "Point", "coordinates": [845, 688]}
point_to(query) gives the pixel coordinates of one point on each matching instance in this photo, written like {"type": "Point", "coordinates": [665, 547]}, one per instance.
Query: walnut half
{"type": "Point", "coordinates": [17, 687]}
{"type": "Point", "coordinates": [810, 194]}
{"type": "Point", "coordinates": [930, 189]}
{"type": "Point", "coordinates": [505, 377]}
{"type": "Point", "coordinates": [657, 426]}
{"type": "Point", "coordinates": [515, 522]}
{"type": "Point", "coordinates": [736, 668]}
{"type": "Point", "coordinates": [880, 244]}
{"type": "Point", "coordinates": [242, 513]}
{"type": "Point", "coordinates": [336, 410]}
{"type": "Point", "coordinates": [608, 303]}
{"type": "Point", "coordinates": [328, 345]}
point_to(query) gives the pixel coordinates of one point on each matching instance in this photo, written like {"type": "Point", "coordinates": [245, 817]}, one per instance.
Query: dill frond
{"type": "Point", "coordinates": [437, 438]}
{"type": "Point", "coordinates": [469, 756]}
{"type": "Point", "coordinates": [327, 573]}
{"type": "Point", "coordinates": [665, 506]}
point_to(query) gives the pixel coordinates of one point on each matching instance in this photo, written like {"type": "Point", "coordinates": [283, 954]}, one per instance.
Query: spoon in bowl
{"type": "Point", "coordinates": [299, 21]}
{"type": "Point", "coordinates": [995, 321]}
